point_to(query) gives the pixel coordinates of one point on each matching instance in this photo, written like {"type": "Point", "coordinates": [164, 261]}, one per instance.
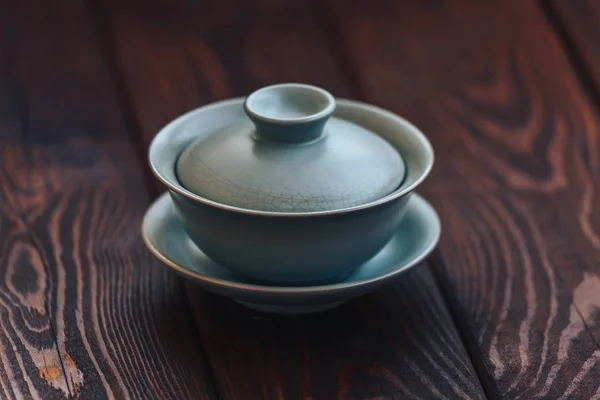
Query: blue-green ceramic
{"type": "Point", "coordinates": [246, 214]}
{"type": "Point", "coordinates": [414, 238]}
{"type": "Point", "coordinates": [291, 155]}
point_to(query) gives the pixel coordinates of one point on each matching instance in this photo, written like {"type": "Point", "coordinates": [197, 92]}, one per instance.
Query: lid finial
{"type": "Point", "coordinates": [290, 112]}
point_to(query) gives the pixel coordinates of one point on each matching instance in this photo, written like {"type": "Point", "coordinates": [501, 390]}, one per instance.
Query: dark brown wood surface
{"type": "Point", "coordinates": [506, 91]}
{"type": "Point", "coordinates": [30, 365]}
{"type": "Point", "coordinates": [516, 180]}
{"type": "Point", "coordinates": [399, 342]}
{"type": "Point", "coordinates": [578, 25]}
{"type": "Point", "coordinates": [122, 324]}
{"type": "Point", "coordinates": [29, 360]}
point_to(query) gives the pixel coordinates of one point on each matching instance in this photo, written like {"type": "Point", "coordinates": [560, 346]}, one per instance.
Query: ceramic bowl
{"type": "Point", "coordinates": [286, 246]}
{"type": "Point", "coordinates": [417, 235]}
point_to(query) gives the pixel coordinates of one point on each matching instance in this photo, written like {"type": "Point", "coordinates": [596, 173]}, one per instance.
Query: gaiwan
{"type": "Point", "coordinates": [291, 155]}
{"type": "Point", "coordinates": [289, 184]}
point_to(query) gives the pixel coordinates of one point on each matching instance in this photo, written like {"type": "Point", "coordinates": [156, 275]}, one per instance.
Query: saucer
{"type": "Point", "coordinates": [165, 236]}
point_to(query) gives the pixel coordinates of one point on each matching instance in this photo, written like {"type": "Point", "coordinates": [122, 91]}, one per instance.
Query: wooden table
{"type": "Point", "coordinates": [507, 307]}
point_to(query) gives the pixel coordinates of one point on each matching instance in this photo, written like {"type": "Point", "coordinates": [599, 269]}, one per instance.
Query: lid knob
{"type": "Point", "coordinates": [289, 112]}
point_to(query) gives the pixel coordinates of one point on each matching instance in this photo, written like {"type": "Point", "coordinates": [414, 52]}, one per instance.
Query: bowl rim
{"type": "Point", "coordinates": [326, 111]}
{"type": "Point", "coordinates": [298, 290]}
{"type": "Point", "coordinates": [396, 194]}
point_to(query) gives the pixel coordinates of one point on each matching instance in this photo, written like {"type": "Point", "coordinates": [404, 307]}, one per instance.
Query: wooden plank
{"type": "Point", "coordinates": [174, 56]}
{"type": "Point", "coordinates": [578, 25]}
{"type": "Point", "coordinates": [396, 343]}
{"type": "Point", "coordinates": [30, 365]}
{"type": "Point", "coordinates": [516, 178]}
{"type": "Point", "coordinates": [122, 324]}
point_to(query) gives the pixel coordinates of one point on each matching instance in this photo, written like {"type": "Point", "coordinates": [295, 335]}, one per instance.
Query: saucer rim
{"type": "Point", "coordinates": [292, 290]}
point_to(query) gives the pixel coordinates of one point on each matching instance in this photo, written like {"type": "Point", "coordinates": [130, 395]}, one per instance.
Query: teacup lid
{"type": "Point", "coordinates": [291, 155]}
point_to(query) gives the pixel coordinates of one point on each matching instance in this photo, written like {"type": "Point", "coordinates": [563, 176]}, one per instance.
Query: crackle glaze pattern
{"type": "Point", "coordinates": [348, 166]}
{"type": "Point", "coordinates": [292, 247]}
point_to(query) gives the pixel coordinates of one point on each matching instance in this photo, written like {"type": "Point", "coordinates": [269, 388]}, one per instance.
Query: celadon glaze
{"type": "Point", "coordinates": [414, 238]}
{"type": "Point", "coordinates": [291, 155]}
{"type": "Point", "coordinates": [289, 247]}
{"type": "Point", "coordinates": [292, 249]}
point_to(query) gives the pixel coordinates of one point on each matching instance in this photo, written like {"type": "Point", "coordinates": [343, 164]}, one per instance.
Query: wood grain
{"type": "Point", "coordinates": [397, 343]}
{"type": "Point", "coordinates": [122, 325]}
{"type": "Point", "coordinates": [516, 178]}
{"type": "Point", "coordinates": [30, 364]}
{"type": "Point", "coordinates": [577, 26]}
{"type": "Point", "coordinates": [29, 360]}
